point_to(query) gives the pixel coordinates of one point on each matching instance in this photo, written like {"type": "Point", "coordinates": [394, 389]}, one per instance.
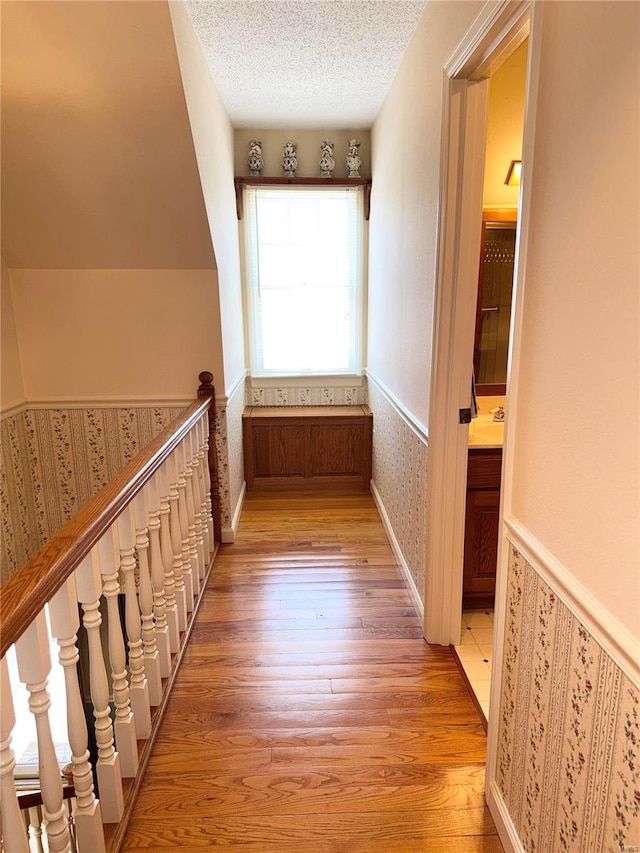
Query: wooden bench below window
{"type": "Point", "coordinates": [308, 447]}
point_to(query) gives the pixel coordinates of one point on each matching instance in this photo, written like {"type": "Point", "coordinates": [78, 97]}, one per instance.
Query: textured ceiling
{"type": "Point", "coordinates": [304, 63]}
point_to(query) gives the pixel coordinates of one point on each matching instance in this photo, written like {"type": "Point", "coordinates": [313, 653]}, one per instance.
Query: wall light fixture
{"type": "Point", "coordinates": [513, 175]}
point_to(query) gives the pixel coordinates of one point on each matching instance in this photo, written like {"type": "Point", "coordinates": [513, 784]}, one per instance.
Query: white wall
{"type": "Point", "coordinates": [98, 164]}
{"type": "Point", "coordinates": [404, 208]}
{"type": "Point", "coordinates": [577, 453]}
{"type": "Point", "coordinates": [11, 384]}
{"type": "Point", "coordinates": [115, 333]}
{"type": "Point", "coordinates": [213, 139]}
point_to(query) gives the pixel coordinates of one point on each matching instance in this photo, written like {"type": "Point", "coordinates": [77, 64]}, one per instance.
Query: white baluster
{"type": "Point", "coordinates": [89, 588]}
{"type": "Point", "coordinates": [140, 520]}
{"type": "Point", "coordinates": [178, 487]}
{"type": "Point", "coordinates": [12, 826]}
{"type": "Point", "coordinates": [192, 450]}
{"type": "Point", "coordinates": [176, 542]}
{"type": "Point", "coordinates": [167, 560]}
{"type": "Point", "coordinates": [139, 687]}
{"type": "Point", "coordinates": [34, 822]}
{"type": "Point", "coordinates": [187, 467]}
{"type": "Point", "coordinates": [202, 462]}
{"type": "Point", "coordinates": [34, 665]}
{"type": "Point", "coordinates": [158, 578]}
{"type": "Point", "coordinates": [183, 514]}
{"type": "Point", "coordinates": [106, 560]}
{"type": "Point", "coordinates": [73, 829]}
{"type": "Point", "coordinates": [207, 477]}
{"type": "Point", "coordinates": [65, 622]}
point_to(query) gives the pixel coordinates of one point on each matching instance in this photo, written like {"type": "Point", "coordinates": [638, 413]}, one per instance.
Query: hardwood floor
{"type": "Point", "coordinates": [309, 715]}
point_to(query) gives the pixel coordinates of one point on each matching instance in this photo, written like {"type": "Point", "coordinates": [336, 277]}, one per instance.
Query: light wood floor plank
{"type": "Point", "coordinates": [309, 715]}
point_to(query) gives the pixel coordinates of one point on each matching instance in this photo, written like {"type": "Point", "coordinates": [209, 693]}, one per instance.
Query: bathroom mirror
{"type": "Point", "coordinates": [493, 314]}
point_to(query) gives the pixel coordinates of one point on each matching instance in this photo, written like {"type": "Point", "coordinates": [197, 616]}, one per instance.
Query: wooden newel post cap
{"type": "Point", "coordinates": [206, 384]}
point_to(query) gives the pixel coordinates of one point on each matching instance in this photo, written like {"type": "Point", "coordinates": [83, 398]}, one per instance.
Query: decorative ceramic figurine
{"type": "Point", "coordinates": [255, 158]}
{"type": "Point", "coordinates": [327, 163]}
{"type": "Point", "coordinates": [353, 160]}
{"type": "Point", "coordinates": [290, 160]}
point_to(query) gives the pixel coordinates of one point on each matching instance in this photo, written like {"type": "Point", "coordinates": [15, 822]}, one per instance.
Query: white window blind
{"type": "Point", "coordinates": [304, 279]}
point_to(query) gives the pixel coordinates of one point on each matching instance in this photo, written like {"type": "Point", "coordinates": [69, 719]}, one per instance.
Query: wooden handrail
{"type": "Point", "coordinates": [33, 799]}
{"type": "Point", "coordinates": [26, 593]}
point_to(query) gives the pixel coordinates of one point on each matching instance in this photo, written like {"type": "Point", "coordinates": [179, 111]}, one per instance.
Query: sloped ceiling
{"type": "Point", "coordinates": [98, 164]}
{"type": "Point", "coordinates": [304, 64]}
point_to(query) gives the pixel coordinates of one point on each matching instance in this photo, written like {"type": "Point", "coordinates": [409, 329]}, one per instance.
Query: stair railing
{"type": "Point", "coordinates": [138, 555]}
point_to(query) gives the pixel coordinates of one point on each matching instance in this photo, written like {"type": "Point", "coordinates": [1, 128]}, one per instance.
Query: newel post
{"type": "Point", "coordinates": [206, 389]}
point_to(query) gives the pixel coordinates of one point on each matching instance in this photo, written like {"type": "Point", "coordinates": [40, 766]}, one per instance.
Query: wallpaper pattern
{"type": "Point", "coordinates": [569, 751]}
{"type": "Point", "coordinates": [20, 535]}
{"type": "Point", "coordinates": [54, 460]}
{"type": "Point", "coordinates": [328, 395]}
{"type": "Point", "coordinates": [400, 476]}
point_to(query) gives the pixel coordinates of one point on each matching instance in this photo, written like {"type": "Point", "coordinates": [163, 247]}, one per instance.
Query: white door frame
{"type": "Point", "coordinates": [492, 38]}
{"type": "Point", "coordinates": [494, 35]}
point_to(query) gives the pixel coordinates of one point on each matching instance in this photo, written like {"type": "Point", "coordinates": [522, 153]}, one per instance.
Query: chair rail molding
{"type": "Point", "coordinates": [411, 421]}
{"type": "Point", "coordinates": [133, 402]}
{"type": "Point", "coordinates": [618, 643]}
{"type": "Point", "coordinates": [238, 382]}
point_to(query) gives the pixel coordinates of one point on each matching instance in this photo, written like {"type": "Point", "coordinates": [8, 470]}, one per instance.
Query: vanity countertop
{"type": "Point", "coordinates": [485, 432]}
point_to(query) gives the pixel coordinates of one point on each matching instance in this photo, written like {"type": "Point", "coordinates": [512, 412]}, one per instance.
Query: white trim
{"type": "Point", "coordinates": [459, 232]}
{"type": "Point", "coordinates": [411, 421]}
{"type": "Point", "coordinates": [492, 38]}
{"type": "Point", "coordinates": [109, 402]}
{"type": "Point", "coordinates": [14, 409]}
{"type": "Point", "coordinates": [312, 380]}
{"type": "Point", "coordinates": [395, 545]}
{"type": "Point", "coordinates": [616, 640]}
{"type": "Point", "coordinates": [493, 35]}
{"type": "Point", "coordinates": [503, 821]}
{"type": "Point", "coordinates": [228, 534]}
{"type": "Point", "coordinates": [534, 52]}
{"type": "Point", "coordinates": [223, 399]}
{"type": "Point", "coordinates": [465, 55]}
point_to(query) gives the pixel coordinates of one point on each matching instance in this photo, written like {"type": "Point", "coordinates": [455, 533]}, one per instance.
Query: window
{"type": "Point", "coordinates": [304, 279]}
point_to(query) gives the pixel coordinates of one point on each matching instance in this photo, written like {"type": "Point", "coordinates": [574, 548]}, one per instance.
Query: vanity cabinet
{"type": "Point", "coordinates": [481, 527]}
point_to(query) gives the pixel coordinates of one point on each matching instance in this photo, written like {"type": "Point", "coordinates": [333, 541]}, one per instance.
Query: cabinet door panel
{"type": "Point", "coordinates": [336, 450]}
{"type": "Point", "coordinates": [278, 451]}
{"type": "Point", "coordinates": [481, 544]}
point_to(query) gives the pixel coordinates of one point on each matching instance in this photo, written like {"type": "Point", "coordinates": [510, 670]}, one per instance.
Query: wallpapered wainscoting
{"type": "Point", "coordinates": [568, 762]}
{"type": "Point", "coordinates": [399, 480]}
{"type": "Point", "coordinates": [20, 532]}
{"type": "Point", "coordinates": [54, 460]}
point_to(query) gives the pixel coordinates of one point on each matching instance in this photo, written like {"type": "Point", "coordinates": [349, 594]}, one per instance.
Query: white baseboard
{"type": "Point", "coordinates": [404, 567]}
{"type": "Point", "coordinates": [502, 819]}
{"type": "Point", "coordinates": [228, 534]}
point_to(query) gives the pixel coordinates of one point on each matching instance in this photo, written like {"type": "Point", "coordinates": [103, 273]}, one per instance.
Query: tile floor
{"type": "Point", "coordinates": [476, 652]}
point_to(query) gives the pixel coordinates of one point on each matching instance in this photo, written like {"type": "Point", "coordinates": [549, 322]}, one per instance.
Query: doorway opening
{"type": "Point", "coordinates": [496, 267]}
